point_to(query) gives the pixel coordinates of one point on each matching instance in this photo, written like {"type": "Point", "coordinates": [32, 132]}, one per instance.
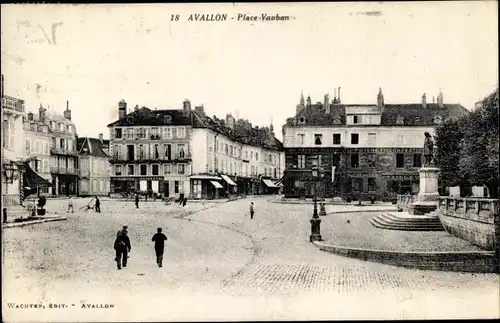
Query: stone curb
{"type": "Point", "coordinates": [360, 211]}
{"type": "Point", "coordinates": [456, 261]}
{"type": "Point", "coordinates": [22, 224]}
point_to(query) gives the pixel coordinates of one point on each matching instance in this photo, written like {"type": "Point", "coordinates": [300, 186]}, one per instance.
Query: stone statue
{"type": "Point", "coordinates": [428, 150]}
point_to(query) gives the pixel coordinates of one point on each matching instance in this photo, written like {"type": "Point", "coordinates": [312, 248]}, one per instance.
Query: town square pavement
{"type": "Point", "coordinates": [219, 265]}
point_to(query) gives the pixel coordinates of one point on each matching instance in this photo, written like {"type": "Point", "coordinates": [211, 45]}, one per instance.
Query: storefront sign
{"type": "Point", "coordinates": [402, 177]}
{"type": "Point", "coordinates": [384, 150]}
{"type": "Point", "coordinates": [313, 150]}
{"type": "Point", "coordinates": [141, 178]}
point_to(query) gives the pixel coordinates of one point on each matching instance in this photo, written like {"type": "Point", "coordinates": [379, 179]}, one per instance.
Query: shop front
{"type": "Point", "coordinates": [129, 184]}
{"type": "Point", "coordinates": [229, 185]}
{"type": "Point", "coordinates": [206, 187]}
{"type": "Point", "coordinates": [269, 186]}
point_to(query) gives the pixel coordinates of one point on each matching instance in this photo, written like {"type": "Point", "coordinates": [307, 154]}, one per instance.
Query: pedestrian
{"type": "Point", "coordinates": [97, 205]}
{"type": "Point", "coordinates": [122, 248]}
{"type": "Point", "coordinates": [159, 240]}
{"type": "Point", "coordinates": [137, 200]}
{"type": "Point", "coordinates": [184, 201]}
{"type": "Point", "coordinates": [251, 210]}
{"type": "Point", "coordinates": [70, 205]}
{"type": "Point", "coordinates": [124, 230]}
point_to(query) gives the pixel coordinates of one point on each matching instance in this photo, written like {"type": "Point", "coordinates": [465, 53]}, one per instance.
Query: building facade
{"type": "Point", "coordinates": [150, 150]}
{"type": "Point", "coordinates": [37, 143]}
{"type": "Point", "coordinates": [363, 150]}
{"type": "Point", "coordinates": [185, 153]}
{"type": "Point", "coordinates": [93, 161]}
{"type": "Point", "coordinates": [231, 156]}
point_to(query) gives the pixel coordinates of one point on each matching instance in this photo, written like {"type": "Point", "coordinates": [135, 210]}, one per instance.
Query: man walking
{"type": "Point", "coordinates": [122, 248]}
{"type": "Point", "coordinates": [70, 205]}
{"type": "Point", "coordinates": [159, 240]}
{"type": "Point", "coordinates": [137, 200]}
{"type": "Point", "coordinates": [97, 205]}
{"type": "Point", "coordinates": [251, 210]}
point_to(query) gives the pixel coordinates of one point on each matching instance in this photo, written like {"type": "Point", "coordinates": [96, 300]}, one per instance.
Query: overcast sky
{"type": "Point", "coordinates": [101, 54]}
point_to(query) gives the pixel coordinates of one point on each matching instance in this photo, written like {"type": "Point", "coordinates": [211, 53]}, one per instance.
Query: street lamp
{"type": "Point", "coordinates": [315, 221]}
{"type": "Point", "coordinates": [10, 172]}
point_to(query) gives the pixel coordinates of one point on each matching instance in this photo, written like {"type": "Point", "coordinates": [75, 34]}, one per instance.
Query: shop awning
{"type": "Point", "coordinates": [269, 183]}
{"type": "Point", "coordinates": [208, 177]}
{"type": "Point", "coordinates": [216, 184]}
{"type": "Point", "coordinates": [228, 180]}
{"type": "Point", "coordinates": [32, 179]}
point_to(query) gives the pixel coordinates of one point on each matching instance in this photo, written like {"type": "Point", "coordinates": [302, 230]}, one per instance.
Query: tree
{"type": "Point", "coordinates": [448, 140]}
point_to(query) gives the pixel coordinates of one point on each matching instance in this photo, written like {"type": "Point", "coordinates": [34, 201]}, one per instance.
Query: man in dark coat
{"type": "Point", "coordinates": [137, 200]}
{"type": "Point", "coordinates": [159, 240]}
{"type": "Point", "coordinates": [97, 205]}
{"type": "Point", "coordinates": [122, 248]}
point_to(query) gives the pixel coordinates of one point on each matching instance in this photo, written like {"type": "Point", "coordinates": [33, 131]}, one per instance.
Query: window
{"type": "Point", "coordinates": [61, 126]}
{"type": "Point", "coordinates": [357, 185]}
{"type": "Point", "coordinates": [417, 160]}
{"type": "Point", "coordinates": [155, 169]}
{"type": "Point", "coordinates": [302, 161]}
{"type": "Point", "coordinates": [174, 132]}
{"type": "Point", "coordinates": [37, 165]}
{"type": "Point", "coordinates": [176, 186]}
{"type": "Point", "coordinates": [400, 160]}
{"type": "Point", "coordinates": [154, 132]}
{"type": "Point", "coordinates": [130, 169]}
{"type": "Point", "coordinates": [156, 152]}
{"type": "Point", "coordinates": [256, 156]}
{"type": "Point", "coordinates": [226, 149]}
{"type": "Point", "coordinates": [28, 146]}
{"type": "Point", "coordinates": [167, 133]}
{"type": "Point", "coordinates": [130, 152]}
{"type": "Point", "coordinates": [168, 151]}
{"type": "Point", "coordinates": [401, 140]}
{"type": "Point", "coordinates": [371, 160]}
{"type": "Point", "coordinates": [68, 128]}
{"type": "Point", "coordinates": [118, 133]}
{"type": "Point", "coordinates": [318, 139]}
{"type": "Point", "coordinates": [336, 138]}
{"type": "Point", "coordinates": [130, 133]}
{"type": "Point", "coordinates": [372, 187]}
{"type": "Point", "coordinates": [181, 169]}
{"type": "Point", "coordinates": [300, 138]}
{"type": "Point", "coordinates": [118, 170]}
{"type": "Point", "coordinates": [400, 120]}
{"type": "Point", "coordinates": [144, 169]}
{"type": "Point", "coordinates": [180, 151]}
{"type": "Point", "coordinates": [141, 152]}
{"type": "Point", "coordinates": [336, 160]}
{"type": "Point", "coordinates": [167, 169]}
{"type": "Point", "coordinates": [372, 139]}
{"type": "Point", "coordinates": [354, 138]}
{"type": "Point", "coordinates": [181, 132]}
{"type": "Point", "coordinates": [354, 119]}
{"type": "Point", "coordinates": [354, 160]}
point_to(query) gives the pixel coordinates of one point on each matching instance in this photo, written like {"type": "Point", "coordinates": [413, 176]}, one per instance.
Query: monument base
{"type": "Point", "coordinates": [422, 207]}
{"type": "Point", "coordinates": [427, 198]}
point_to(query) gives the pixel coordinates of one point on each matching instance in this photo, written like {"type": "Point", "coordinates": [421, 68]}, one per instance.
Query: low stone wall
{"type": "Point", "coordinates": [472, 219]}
{"type": "Point", "coordinates": [404, 202]}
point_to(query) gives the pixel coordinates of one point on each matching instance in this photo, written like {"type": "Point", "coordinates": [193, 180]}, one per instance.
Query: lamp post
{"type": "Point", "coordinates": [322, 210]}
{"type": "Point", "coordinates": [315, 221]}
{"type": "Point", "coordinates": [10, 171]}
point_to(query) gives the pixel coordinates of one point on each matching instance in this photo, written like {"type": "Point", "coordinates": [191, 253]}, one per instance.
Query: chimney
{"type": "Point", "coordinates": [229, 121]}
{"type": "Point", "coordinates": [308, 100]}
{"type": "Point", "coordinates": [136, 108]}
{"type": "Point", "coordinates": [30, 116]}
{"type": "Point", "coordinates": [122, 109]}
{"type": "Point", "coordinates": [424, 100]}
{"type": "Point", "coordinates": [334, 96]}
{"type": "Point", "coordinates": [186, 107]}
{"type": "Point", "coordinates": [440, 100]}
{"type": "Point", "coordinates": [433, 100]}
{"type": "Point", "coordinates": [41, 114]}
{"type": "Point", "coordinates": [67, 113]}
{"type": "Point", "coordinates": [327, 104]}
{"type": "Point", "coordinates": [101, 139]}
{"type": "Point", "coordinates": [200, 110]}
{"type": "Point", "coordinates": [380, 98]}
{"type": "Point", "coordinates": [338, 100]}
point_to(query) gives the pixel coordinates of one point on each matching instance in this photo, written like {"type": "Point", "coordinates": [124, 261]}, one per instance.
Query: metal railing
{"type": "Point", "coordinates": [10, 200]}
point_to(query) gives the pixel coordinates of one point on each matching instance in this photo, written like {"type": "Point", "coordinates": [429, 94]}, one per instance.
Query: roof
{"type": "Point", "coordinates": [411, 114]}
{"type": "Point", "coordinates": [147, 117]}
{"type": "Point", "coordinates": [90, 147]}
{"type": "Point", "coordinates": [242, 133]}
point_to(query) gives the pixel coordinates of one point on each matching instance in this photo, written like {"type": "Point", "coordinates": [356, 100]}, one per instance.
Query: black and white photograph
{"type": "Point", "coordinates": [250, 161]}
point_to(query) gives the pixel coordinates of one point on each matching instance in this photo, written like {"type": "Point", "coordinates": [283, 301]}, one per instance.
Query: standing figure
{"type": "Point", "coordinates": [97, 205]}
{"type": "Point", "coordinates": [184, 201]}
{"type": "Point", "coordinates": [137, 200]}
{"type": "Point", "coordinates": [251, 210]}
{"type": "Point", "coordinates": [159, 240]}
{"type": "Point", "coordinates": [122, 248]}
{"type": "Point", "coordinates": [70, 205]}
{"type": "Point", "coordinates": [124, 230]}
{"type": "Point", "coordinates": [428, 150]}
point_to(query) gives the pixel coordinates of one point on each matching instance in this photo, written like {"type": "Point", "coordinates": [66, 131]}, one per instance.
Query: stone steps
{"type": "Point", "coordinates": [391, 221]}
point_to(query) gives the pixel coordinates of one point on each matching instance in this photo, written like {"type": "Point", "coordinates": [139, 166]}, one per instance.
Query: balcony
{"type": "Point", "coordinates": [118, 159]}
{"type": "Point", "coordinates": [63, 151]}
{"type": "Point", "coordinates": [13, 105]}
{"type": "Point", "coordinates": [64, 171]}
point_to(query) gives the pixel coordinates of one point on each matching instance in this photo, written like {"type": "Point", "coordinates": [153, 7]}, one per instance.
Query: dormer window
{"type": "Point", "coordinates": [417, 120]}
{"type": "Point", "coordinates": [400, 120]}
{"type": "Point", "coordinates": [167, 119]}
{"type": "Point", "coordinates": [355, 119]}
{"type": "Point", "coordinates": [302, 120]}
{"type": "Point", "coordinates": [336, 120]}
{"type": "Point", "coordinates": [437, 119]}
{"type": "Point", "coordinates": [318, 139]}
{"type": "Point", "coordinates": [130, 120]}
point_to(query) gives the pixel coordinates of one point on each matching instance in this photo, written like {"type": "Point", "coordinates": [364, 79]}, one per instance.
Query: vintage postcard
{"type": "Point", "coordinates": [249, 161]}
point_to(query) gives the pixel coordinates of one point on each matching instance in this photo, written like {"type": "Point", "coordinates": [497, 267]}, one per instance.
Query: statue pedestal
{"type": "Point", "coordinates": [427, 199]}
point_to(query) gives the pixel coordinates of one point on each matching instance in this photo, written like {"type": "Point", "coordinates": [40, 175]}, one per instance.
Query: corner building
{"type": "Point", "coordinates": [364, 149]}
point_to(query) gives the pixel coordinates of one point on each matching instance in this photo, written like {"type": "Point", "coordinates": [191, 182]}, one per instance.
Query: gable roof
{"type": "Point", "coordinates": [90, 147]}
{"type": "Point", "coordinates": [147, 117]}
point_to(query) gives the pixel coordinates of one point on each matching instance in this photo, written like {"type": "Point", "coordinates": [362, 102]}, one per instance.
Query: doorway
{"type": "Point", "coordinates": [166, 189]}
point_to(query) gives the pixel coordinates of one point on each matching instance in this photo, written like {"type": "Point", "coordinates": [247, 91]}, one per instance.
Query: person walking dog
{"type": "Point", "coordinates": [159, 240]}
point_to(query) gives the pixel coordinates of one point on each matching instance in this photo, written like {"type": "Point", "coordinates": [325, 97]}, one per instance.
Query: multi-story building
{"type": "Point", "coordinates": [184, 152]}
{"type": "Point", "coordinates": [64, 156]}
{"type": "Point", "coordinates": [364, 150]}
{"type": "Point", "coordinates": [37, 142]}
{"type": "Point", "coordinates": [150, 150]}
{"type": "Point", "coordinates": [94, 166]}
{"type": "Point", "coordinates": [232, 156]}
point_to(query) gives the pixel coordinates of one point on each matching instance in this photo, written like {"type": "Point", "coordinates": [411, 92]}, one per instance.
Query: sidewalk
{"type": "Point", "coordinates": [35, 220]}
